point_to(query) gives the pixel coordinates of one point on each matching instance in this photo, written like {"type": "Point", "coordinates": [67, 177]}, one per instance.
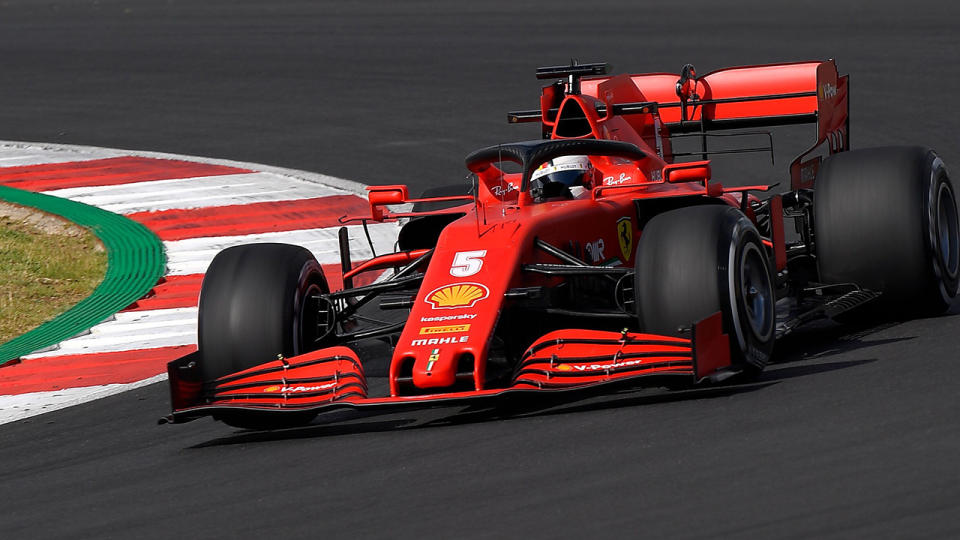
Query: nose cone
{"type": "Point", "coordinates": [445, 339]}
{"type": "Point", "coordinates": [443, 358]}
{"type": "Point", "coordinates": [436, 369]}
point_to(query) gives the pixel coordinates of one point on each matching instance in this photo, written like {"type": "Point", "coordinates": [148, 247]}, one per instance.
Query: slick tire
{"type": "Point", "coordinates": [696, 261]}
{"type": "Point", "coordinates": [252, 308]}
{"type": "Point", "coordinates": [886, 220]}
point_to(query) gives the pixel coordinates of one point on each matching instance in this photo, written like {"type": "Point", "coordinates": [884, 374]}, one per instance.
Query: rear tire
{"type": "Point", "coordinates": [886, 219]}
{"type": "Point", "coordinates": [252, 309]}
{"type": "Point", "coordinates": [696, 261]}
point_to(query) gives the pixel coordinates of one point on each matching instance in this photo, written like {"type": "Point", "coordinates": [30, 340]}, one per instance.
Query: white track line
{"type": "Point", "coordinates": [23, 406]}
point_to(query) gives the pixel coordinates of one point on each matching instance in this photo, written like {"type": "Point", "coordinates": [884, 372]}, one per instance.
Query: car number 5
{"type": "Point", "coordinates": [467, 263]}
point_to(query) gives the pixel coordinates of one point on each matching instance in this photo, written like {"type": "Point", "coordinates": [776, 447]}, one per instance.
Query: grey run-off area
{"type": "Point", "coordinates": [853, 433]}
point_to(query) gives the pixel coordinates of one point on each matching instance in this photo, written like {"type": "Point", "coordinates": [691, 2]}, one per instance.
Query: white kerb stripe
{"type": "Point", "coordinates": [193, 255]}
{"type": "Point", "coordinates": [80, 153]}
{"type": "Point", "coordinates": [17, 157]}
{"type": "Point", "coordinates": [197, 192]}
{"type": "Point", "coordinates": [18, 407]}
{"type": "Point", "coordinates": [132, 330]}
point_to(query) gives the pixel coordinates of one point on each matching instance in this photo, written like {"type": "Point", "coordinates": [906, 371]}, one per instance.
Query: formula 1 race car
{"type": "Point", "coordinates": [598, 255]}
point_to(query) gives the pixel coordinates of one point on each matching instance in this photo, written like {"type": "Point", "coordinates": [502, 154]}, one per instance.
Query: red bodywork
{"type": "Point", "coordinates": [481, 261]}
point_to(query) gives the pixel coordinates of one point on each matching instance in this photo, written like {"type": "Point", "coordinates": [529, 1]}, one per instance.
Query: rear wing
{"type": "Point", "coordinates": [732, 98]}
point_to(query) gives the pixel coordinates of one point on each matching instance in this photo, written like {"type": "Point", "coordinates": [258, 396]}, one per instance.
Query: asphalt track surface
{"type": "Point", "coordinates": [852, 433]}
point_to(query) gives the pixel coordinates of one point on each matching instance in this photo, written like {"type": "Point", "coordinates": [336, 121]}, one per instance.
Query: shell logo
{"type": "Point", "coordinates": [564, 367]}
{"type": "Point", "coordinates": [457, 296]}
{"type": "Point", "coordinates": [271, 389]}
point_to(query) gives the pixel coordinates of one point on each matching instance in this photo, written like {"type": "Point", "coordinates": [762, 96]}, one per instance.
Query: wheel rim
{"type": "Point", "coordinates": [308, 322]}
{"type": "Point", "coordinates": [948, 236]}
{"type": "Point", "coordinates": [756, 291]}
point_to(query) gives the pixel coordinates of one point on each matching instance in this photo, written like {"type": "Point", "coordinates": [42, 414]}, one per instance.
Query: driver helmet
{"type": "Point", "coordinates": [557, 176]}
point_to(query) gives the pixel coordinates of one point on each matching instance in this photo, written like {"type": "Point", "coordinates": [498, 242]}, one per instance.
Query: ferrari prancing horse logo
{"type": "Point", "coordinates": [625, 237]}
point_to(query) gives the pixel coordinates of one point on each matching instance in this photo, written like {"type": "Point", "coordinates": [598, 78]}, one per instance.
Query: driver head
{"type": "Point", "coordinates": [555, 177]}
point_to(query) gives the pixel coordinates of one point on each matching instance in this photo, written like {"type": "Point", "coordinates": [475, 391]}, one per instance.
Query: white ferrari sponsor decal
{"type": "Point", "coordinates": [827, 91]}
{"type": "Point", "coordinates": [439, 341]}
{"type": "Point", "coordinates": [296, 389]}
{"type": "Point", "coordinates": [611, 181]}
{"type": "Point", "coordinates": [598, 367]}
{"type": "Point", "coordinates": [442, 318]}
{"type": "Point", "coordinates": [595, 250]}
{"type": "Point", "coordinates": [500, 191]}
{"type": "Point", "coordinates": [467, 263]}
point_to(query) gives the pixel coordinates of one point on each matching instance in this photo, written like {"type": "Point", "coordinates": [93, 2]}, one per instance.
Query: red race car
{"type": "Point", "coordinates": [598, 255]}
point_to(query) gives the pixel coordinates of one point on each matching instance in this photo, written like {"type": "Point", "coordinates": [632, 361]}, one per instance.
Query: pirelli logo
{"type": "Point", "coordinates": [449, 329]}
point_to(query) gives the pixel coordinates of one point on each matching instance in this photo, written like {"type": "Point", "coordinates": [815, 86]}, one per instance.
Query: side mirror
{"type": "Point", "coordinates": [695, 171]}
{"type": "Point", "coordinates": [384, 195]}
{"type": "Point", "coordinates": [381, 195]}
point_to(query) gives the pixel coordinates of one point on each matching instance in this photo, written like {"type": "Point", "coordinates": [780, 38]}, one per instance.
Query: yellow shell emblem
{"type": "Point", "coordinates": [457, 296]}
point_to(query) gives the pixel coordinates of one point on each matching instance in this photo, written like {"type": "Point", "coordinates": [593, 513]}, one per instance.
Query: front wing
{"type": "Point", "coordinates": [561, 361]}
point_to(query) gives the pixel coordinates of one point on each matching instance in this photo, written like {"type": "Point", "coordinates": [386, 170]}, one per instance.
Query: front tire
{"type": "Point", "coordinates": [696, 261]}
{"type": "Point", "coordinates": [252, 307]}
{"type": "Point", "coordinates": [886, 219]}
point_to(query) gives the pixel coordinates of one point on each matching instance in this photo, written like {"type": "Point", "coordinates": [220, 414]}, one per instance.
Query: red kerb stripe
{"type": "Point", "coordinates": [106, 172]}
{"type": "Point", "coordinates": [170, 292]}
{"type": "Point", "coordinates": [76, 370]}
{"type": "Point", "coordinates": [254, 218]}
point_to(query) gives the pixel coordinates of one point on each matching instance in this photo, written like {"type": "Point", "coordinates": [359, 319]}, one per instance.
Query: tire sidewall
{"type": "Point", "coordinates": [945, 279]}
{"type": "Point", "coordinates": [743, 242]}
{"type": "Point", "coordinates": [310, 280]}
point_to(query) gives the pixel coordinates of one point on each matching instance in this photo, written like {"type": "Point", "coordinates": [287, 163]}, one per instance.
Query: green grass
{"type": "Point", "coordinates": [45, 268]}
